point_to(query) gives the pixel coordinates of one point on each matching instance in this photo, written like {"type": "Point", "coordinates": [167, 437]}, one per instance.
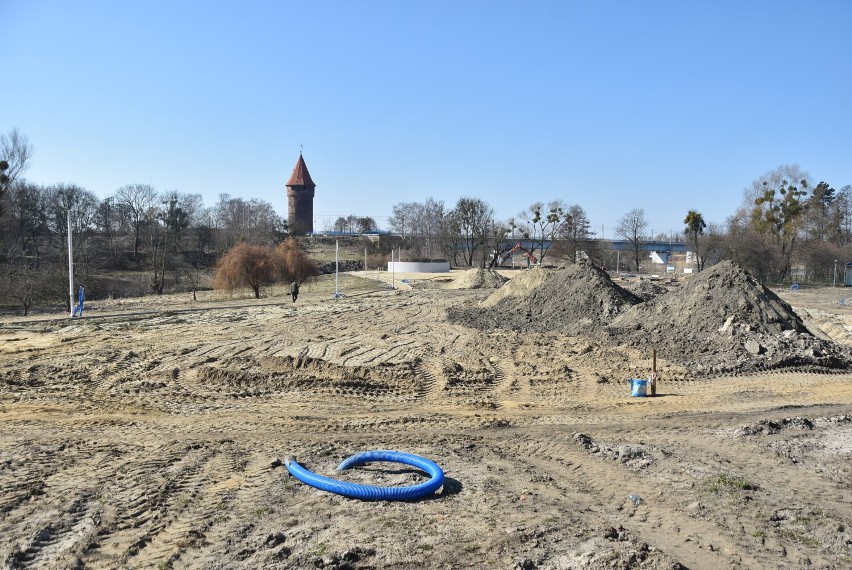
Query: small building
{"type": "Point", "coordinates": [847, 277]}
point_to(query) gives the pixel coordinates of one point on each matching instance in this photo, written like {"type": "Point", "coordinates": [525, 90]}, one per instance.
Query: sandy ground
{"type": "Point", "coordinates": [149, 434]}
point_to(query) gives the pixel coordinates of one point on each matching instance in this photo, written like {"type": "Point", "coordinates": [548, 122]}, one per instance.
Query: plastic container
{"type": "Point", "coordinates": [639, 388]}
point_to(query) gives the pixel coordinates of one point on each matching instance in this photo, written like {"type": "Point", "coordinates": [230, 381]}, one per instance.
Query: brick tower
{"type": "Point", "coordinates": [300, 200]}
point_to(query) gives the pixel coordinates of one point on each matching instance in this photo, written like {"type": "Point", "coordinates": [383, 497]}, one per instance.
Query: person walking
{"type": "Point", "coordinates": [294, 290]}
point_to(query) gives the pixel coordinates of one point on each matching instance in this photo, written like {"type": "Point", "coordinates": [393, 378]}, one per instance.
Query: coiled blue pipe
{"type": "Point", "coordinates": [373, 492]}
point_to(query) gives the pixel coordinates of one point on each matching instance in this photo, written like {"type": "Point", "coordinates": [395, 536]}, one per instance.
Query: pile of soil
{"type": "Point", "coordinates": [719, 321]}
{"type": "Point", "coordinates": [519, 286]}
{"type": "Point", "coordinates": [577, 300]}
{"type": "Point", "coordinates": [643, 288]}
{"type": "Point", "coordinates": [723, 320]}
{"type": "Point", "coordinates": [478, 278]}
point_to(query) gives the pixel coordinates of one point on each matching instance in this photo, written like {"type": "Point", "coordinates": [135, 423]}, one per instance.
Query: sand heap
{"type": "Point", "coordinates": [478, 278]}
{"type": "Point", "coordinates": [723, 320]}
{"type": "Point", "coordinates": [578, 299]}
{"type": "Point", "coordinates": [719, 321]}
{"type": "Point", "coordinates": [519, 286]}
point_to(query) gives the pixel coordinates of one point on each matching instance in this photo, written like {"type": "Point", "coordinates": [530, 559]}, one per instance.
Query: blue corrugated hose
{"type": "Point", "coordinates": [373, 492]}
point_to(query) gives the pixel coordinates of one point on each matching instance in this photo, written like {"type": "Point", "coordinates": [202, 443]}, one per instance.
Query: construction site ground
{"type": "Point", "coordinates": [151, 432]}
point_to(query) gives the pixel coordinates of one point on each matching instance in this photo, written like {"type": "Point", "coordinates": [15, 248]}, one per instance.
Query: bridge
{"type": "Point", "coordinates": [658, 246]}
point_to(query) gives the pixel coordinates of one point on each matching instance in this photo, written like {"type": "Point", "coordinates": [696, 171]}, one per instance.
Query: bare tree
{"type": "Point", "coordinates": [136, 202]}
{"type": "Point", "coordinates": [471, 219]}
{"type": "Point", "coordinates": [167, 226]}
{"type": "Point", "coordinates": [575, 234]}
{"type": "Point", "coordinates": [192, 277]}
{"type": "Point", "coordinates": [28, 213]}
{"type": "Point", "coordinates": [713, 244]}
{"type": "Point", "coordinates": [402, 217]}
{"type": "Point", "coordinates": [24, 284]}
{"type": "Point", "coordinates": [748, 247]}
{"type": "Point", "coordinates": [422, 226]}
{"type": "Point", "coordinates": [62, 199]}
{"type": "Point", "coordinates": [353, 224]}
{"type": "Point", "coordinates": [252, 221]}
{"type": "Point", "coordinates": [777, 213]}
{"type": "Point", "coordinates": [542, 223]}
{"type": "Point", "coordinates": [15, 151]}
{"type": "Point", "coordinates": [632, 229]}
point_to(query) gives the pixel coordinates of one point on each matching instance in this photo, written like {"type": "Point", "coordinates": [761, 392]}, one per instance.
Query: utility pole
{"type": "Point", "coordinates": [70, 267]}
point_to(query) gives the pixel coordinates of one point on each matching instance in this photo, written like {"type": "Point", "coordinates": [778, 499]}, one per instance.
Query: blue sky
{"type": "Point", "coordinates": [668, 106]}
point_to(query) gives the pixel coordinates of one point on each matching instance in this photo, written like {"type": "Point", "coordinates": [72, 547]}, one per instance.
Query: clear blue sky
{"type": "Point", "coordinates": [668, 106]}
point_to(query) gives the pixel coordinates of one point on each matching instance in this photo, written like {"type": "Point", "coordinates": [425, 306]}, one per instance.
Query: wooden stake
{"type": "Point", "coordinates": [654, 373]}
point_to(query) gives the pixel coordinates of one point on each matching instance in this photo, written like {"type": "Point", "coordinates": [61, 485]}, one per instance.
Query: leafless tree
{"type": "Point", "coordinates": [777, 214]}
{"type": "Point", "coordinates": [61, 199]}
{"type": "Point", "coordinates": [844, 210]}
{"type": "Point", "coordinates": [632, 229]}
{"type": "Point", "coordinates": [16, 152]}
{"type": "Point", "coordinates": [575, 235]}
{"type": "Point", "coordinates": [167, 228]}
{"type": "Point", "coordinates": [24, 284]}
{"type": "Point", "coordinates": [541, 223]}
{"type": "Point", "coordinates": [192, 277]}
{"type": "Point", "coordinates": [252, 221]}
{"type": "Point", "coordinates": [472, 219]}
{"type": "Point", "coordinates": [353, 224]}
{"type": "Point", "coordinates": [136, 202]}
{"type": "Point", "coordinates": [28, 217]}
{"type": "Point", "coordinates": [422, 226]}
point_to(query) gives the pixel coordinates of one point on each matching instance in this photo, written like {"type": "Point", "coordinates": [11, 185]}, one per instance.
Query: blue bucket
{"type": "Point", "coordinates": [639, 388]}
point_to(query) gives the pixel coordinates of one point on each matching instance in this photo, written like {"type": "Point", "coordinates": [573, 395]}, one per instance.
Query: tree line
{"type": "Point", "coordinates": [786, 227]}
{"type": "Point", "coordinates": [169, 236]}
{"type": "Point", "coordinates": [469, 233]}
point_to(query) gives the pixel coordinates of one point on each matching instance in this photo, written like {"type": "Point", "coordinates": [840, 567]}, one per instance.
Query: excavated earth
{"type": "Point", "coordinates": [577, 300]}
{"type": "Point", "coordinates": [140, 438]}
{"type": "Point", "coordinates": [723, 320]}
{"type": "Point", "coordinates": [478, 278]}
{"type": "Point", "coordinates": [719, 321]}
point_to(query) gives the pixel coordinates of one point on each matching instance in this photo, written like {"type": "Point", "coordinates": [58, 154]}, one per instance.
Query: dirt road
{"type": "Point", "coordinates": [146, 439]}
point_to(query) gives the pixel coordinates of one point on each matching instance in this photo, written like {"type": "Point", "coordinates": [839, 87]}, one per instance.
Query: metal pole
{"type": "Point", "coordinates": [336, 270]}
{"type": "Point", "coordinates": [835, 273]}
{"type": "Point", "coordinates": [617, 261]}
{"type": "Point", "coordinates": [70, 266]}
{"type": "Point", "coordinates": [513, 245]}
{"type": "Point", "coordinates": [365, 263]}
{"type": "Point", "coordinates": [393, 271]}
{"type": "Point", "coordinates": [654, 373]}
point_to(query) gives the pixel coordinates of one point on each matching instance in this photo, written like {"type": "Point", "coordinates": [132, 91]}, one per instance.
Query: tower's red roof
{"type": "Point", "coordinates": [300, 176]}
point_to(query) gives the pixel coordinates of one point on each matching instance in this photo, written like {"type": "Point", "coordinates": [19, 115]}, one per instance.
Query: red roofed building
{"type": "Point", "coordinates": [300, 200]}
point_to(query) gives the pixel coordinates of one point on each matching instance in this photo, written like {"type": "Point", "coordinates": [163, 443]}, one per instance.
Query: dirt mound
{"type": "Point", "coordinates": [578, 299]}
{"type": "Point", "coordinates": [644, 289]}
{"type": "Point", "coordinates": [478, 278]}
{"type": "Point", "coordinates": [723, 320]}
{"type": "Point", "coordinates": [518, 286]}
